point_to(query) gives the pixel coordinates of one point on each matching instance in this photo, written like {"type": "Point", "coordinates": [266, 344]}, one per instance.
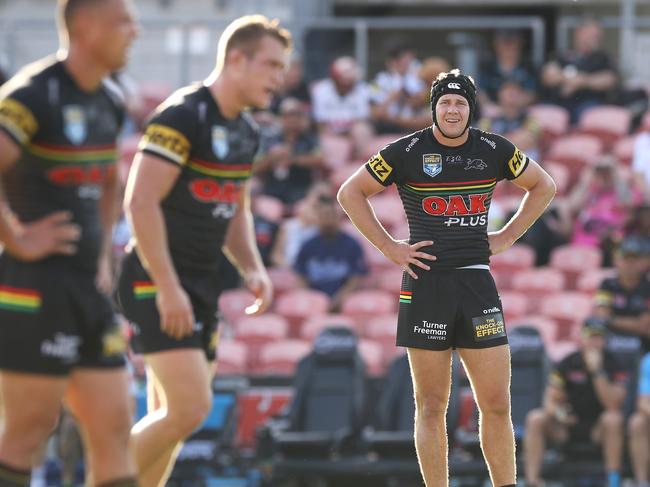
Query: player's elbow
{"type": "Point", "coordinates": [343, 194]}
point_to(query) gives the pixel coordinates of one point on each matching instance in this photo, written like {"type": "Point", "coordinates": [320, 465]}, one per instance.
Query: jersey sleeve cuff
{"type": "Point", "coordinates": [163, 155]}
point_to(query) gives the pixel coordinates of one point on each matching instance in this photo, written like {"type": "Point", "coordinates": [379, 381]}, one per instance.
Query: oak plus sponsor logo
{"type": "Point", "coordinates": [489, 142]}
{"type": "Point", "coordinates": [432, 331]}
{"type": "Point", "coordinates": [211, 191]}
{"type": "Point", "coordinates": [65, 347]}
{"type": "Point", "coordinates": [465, 214]}
{"type": "Point", "coordinates": [414, 141]}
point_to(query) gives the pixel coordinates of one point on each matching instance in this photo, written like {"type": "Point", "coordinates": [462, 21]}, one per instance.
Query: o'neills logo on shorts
{"type": "Point", "coordinates": [433, 331]}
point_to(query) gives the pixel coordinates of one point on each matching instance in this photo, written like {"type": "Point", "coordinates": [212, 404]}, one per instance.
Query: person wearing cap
{"type": "Point", "coordinates": [624, 297]}
{"type": "Point", "coordinates": [582, 403]}
{"type": "Point", "coordinates": [445, 175]}
{"type": "Point", "coordinates": [639, 428]}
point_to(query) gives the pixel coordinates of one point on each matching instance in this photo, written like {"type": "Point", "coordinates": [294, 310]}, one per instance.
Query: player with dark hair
{"type": "Point", "coordinates": [188, 197]}
{"type": "Point", "coordinates": [59, 338]}
{"type": "Point", "coordinates": [445, 175]}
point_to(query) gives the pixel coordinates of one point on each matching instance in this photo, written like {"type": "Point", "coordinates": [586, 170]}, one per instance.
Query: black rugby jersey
{"type": "Point", "coordinates": [68, 139]}
{"type": "Point", "coordinates": [446, 191]}
{"type": "Point", "coordinates": [216, 156]}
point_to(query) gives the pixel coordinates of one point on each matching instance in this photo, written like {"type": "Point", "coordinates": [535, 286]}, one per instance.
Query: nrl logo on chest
{"type": "Point", "coordinates": [432, 164]}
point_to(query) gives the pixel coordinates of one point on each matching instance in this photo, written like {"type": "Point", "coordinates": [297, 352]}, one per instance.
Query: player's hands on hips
{"type": "Point", "coordinates": [175, 310]}
{"type": "Point", "coordinates": [52, 234]}
{"type": "Point", "coordinates": [499, 241]}
{"type": "Point", "coordinates": [405, 255]}
{"type": "Point", "coordinates": [260, 285]}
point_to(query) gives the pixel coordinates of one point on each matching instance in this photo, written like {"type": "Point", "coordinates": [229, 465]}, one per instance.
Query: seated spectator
{"type": "Point", "coordinates": [507, 64]}
{"type": "Point", "coordinates": [392, 91]}
{"type": "Point", "coordinates": [297, 230]}
{"type": "Point", "coordinates": [641, 163]}
{"type": "Point", "coordinates": [583, 77]}
{"type": "Point", "coordinates": [428, 72]}
{"type": "Point", "coordinates": [332, 261]}
{"type": "Point", "coordinates": [623, 299]}
{"type": "Point", "coordinates": [341, 103]}
{"type": "Point", "coordinates": [290, 160]}
{"type": "Point", "coordinates": [551, 230]}
{"type": "Point", "coordinates": [583, 402]}
{"type": "Point", "coordinates": [511, 119]}
{"type": "Point", "coordinates": [293, 86]}
{"type": "Point", "coordinates": [639, 428]}
{"type": "Point", "coordinates": [600, 202]}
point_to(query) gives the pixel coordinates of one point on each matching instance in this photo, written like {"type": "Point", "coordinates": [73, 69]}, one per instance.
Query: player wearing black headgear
{"type": "Point", "coordinates": [446, 175]}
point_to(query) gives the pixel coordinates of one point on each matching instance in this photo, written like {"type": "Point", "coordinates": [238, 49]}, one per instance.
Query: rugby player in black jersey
{"type": "Point", "coordinates": [445, 175]}
{"type": "Point", "coordinates": [59, 339]}
{"type": "Point", "coordinates": [187, 197]}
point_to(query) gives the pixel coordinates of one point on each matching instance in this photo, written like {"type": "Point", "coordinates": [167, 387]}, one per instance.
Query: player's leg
{"type": "Point", "coordinates": [31, 406]}
{"type": "Point", "coordinates": [540, 426]}
{"type": "Point", "coordinates": [609, 433]}
{"type": "Point", "coordinates": [100, 401]}
{"type": "Point", "coordinates": [639, 445]}
{"type": "Point", "coordinates": [431, 373]}
{"type": "Point", "coordinates": [489, 373]}
{"type": "Point", "coordinates": [184, 379]}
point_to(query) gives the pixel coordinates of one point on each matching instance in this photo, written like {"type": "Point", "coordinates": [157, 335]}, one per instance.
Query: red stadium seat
{"type": "Point", "coordinates": [568, 309]}
{"type": "Point", "coordinates": [553, 119]}
{"type": "Point", "coordinates": [389, 210]}
{"type": "Point", "coordinates": [314, 325]}
{"type": "Point", "coordinates": [361, 306]}
{"type": "Point", "coordinates": [623, 150]}
{"type": "Point", "coordinates": [389, 280]}
{"type": "Point", "coordinates": [336, 150]}
{"type": "Point", "coordinates": [256, 331]}
{"type": "Point", "coordinates": [281, 358]}
{"type": "Point", "coordinates": [590, 280]}
{"type": "Point", "coordinates": [233, 302]}
{"type": "Point", "coordinates": [546, 326]}
{"type": "Point", "coordinates": [573, 260]}
{"type": "Point", "coordinates": [373, 356]}
{"type": "Point", "coordinates": [299, 304]}
{"type": "Point", "coordinates": [383, 329]}
{"type": "Point", "coordinates": [341, 174]}
{"type": "Point", "coordinates": [576, 152]}
{"type": "Point", "coordinates": [560, 174]}
{"type": "Point", "coordinates": [517, 258]}
{"type": "Point", "coordinates": [538, 283]}
{"type": "Point", "coordinates": [515, 305]}
{"type": "Point", "coordinates": [607, 122]}
{"type": "Point", "coordinates": [283, 279]}
{"type": "Point", "coordinates": [232, 358]}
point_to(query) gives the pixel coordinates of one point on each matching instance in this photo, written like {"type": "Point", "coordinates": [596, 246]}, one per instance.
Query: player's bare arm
{"type": "Point", "coordinates": [53, 234]}
{"type": "Point", "coordinates": [109, 212]}
{"type": "Point", "coordinates": [353, 197]}
{"type": "Point", "coordinates": [150, 180]}
{"type": "Point", "coordinates": [540, 190]}
{"type": "Point", "coordinates": [241, 249]}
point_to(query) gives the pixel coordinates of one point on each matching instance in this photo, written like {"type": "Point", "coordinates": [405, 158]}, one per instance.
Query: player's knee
{"type": "Point", "coordinates": [38, 426]}
{"type": "Point", "coordinates": [118, 421]}
{"type": "Point", "coordinates": [612, 421]}
{"type": "Point", "coordinates": [191, 414]}
{"type": "Point", "coordinates": [430, 407]}
{"type": "Point", "coordinates": [637, 425]}
{"type": "Point", "coordinates": [497, 404]}
{"type": "Point", "coordinates": [535, 420]}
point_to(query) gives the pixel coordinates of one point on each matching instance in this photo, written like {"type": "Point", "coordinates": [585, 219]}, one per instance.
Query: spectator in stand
{"type": "Point", "coordinates": [297, 230]}
{"type": "Point", "coordinates": [291, 160]}
{"type": "Point", "coordinates": [624, 298]}
{"type": "Point", "coordinates": [511, 118]}
{"type": "Point", "coordinates": [639, 226]}
{"type": "Point", "coordinates": [332, 261]}
{"type": "Point", "coordinates": [583, 402]}
{"type": "Point", "coordinates": [428, 72]}
{"type": "Point", "coordinates": [600, 202]}
{"type": "Point", "coordinates": [583, 77]}
{"type": "Point", "coordinates": [393, 90]}
{"type": "Point", "coordinates": [341, 103]}
{"type": "Point", "coordinates": [293, 86]}
{"type": "Point", "coordinates": [641, 163]}
{"type": "Point", "coordinates": [507, 64]}
{"type": "Point", "coordinates": [639, 428]}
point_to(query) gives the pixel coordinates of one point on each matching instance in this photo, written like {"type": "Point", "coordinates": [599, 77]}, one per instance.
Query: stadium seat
{"type": "Point", "coordinates": [568, 309]}
{"type": "Point", "coordinates": [314, 325]}
{"type": "Point", "coordinates": [576, 152]}
{"type": "Point", "coordinates": [341, 174]}
{"type": "Point", "coordinates": [268, 207]}
{"type": "Point", "coordinates": [623, 150]}
{"type": "Point", "coordinates": [232, 358]}
{"type": "Point", "coordinates": [553, 119]}
{"type": "Point", "coordinates": [233, 302]}
{"type": "Point", "coordinates": [389, 280]}
{"type": "Point", "coordinates": [538, 283]}
{"type": "Point", "coordinates": [547, 327]}
{"type": "Point", "coordinates": [299, 304]}
{"type": "Point", "coordinates": [382, 329]}
{"type": "Point", "coordinates": [372, 354]}
{"type": "Point", "coordinates": [336, 150]}
{"type": "Point", "coordinates": [256, 331]}
{"type": "Point", "coordinates": [590, 280]}
{"type": "Point", "coordinates": [281, 357]}
{"type": "Point", "coordinates": [376, 261]}
{"type": "Point", "coordinates": [515, 305]}
{"type": "Point", "coordinates": [573, 260]}
{"type": "Point", "coordinates": [560, 174]}
{"type": "Point", "coordinates": [389, 210]}
{"type": "Point", "coordinates": [516, 258]}
{"type": "Point", "coordinates": [607, 122]}
{"type": "Point", "coordinates": [283, 279]}
{"type": "Point", "coordinates": [361, 306]}
{"type": "Point", "coordinates": [375, 144]}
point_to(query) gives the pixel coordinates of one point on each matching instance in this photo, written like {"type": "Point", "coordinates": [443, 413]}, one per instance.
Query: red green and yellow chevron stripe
{"type": "Point", "coordinates": [438, 188]}
{"type": "Point", "coordinates": [405, 296]}
{"type": "Point", "coordinates": [20, 299]}
{"type": "Point", "coordinates": [228, 171]}
{"type": "Point", "coordinates": [68, 153]}
{"type": "Point", "coordinates": [144, 289]}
